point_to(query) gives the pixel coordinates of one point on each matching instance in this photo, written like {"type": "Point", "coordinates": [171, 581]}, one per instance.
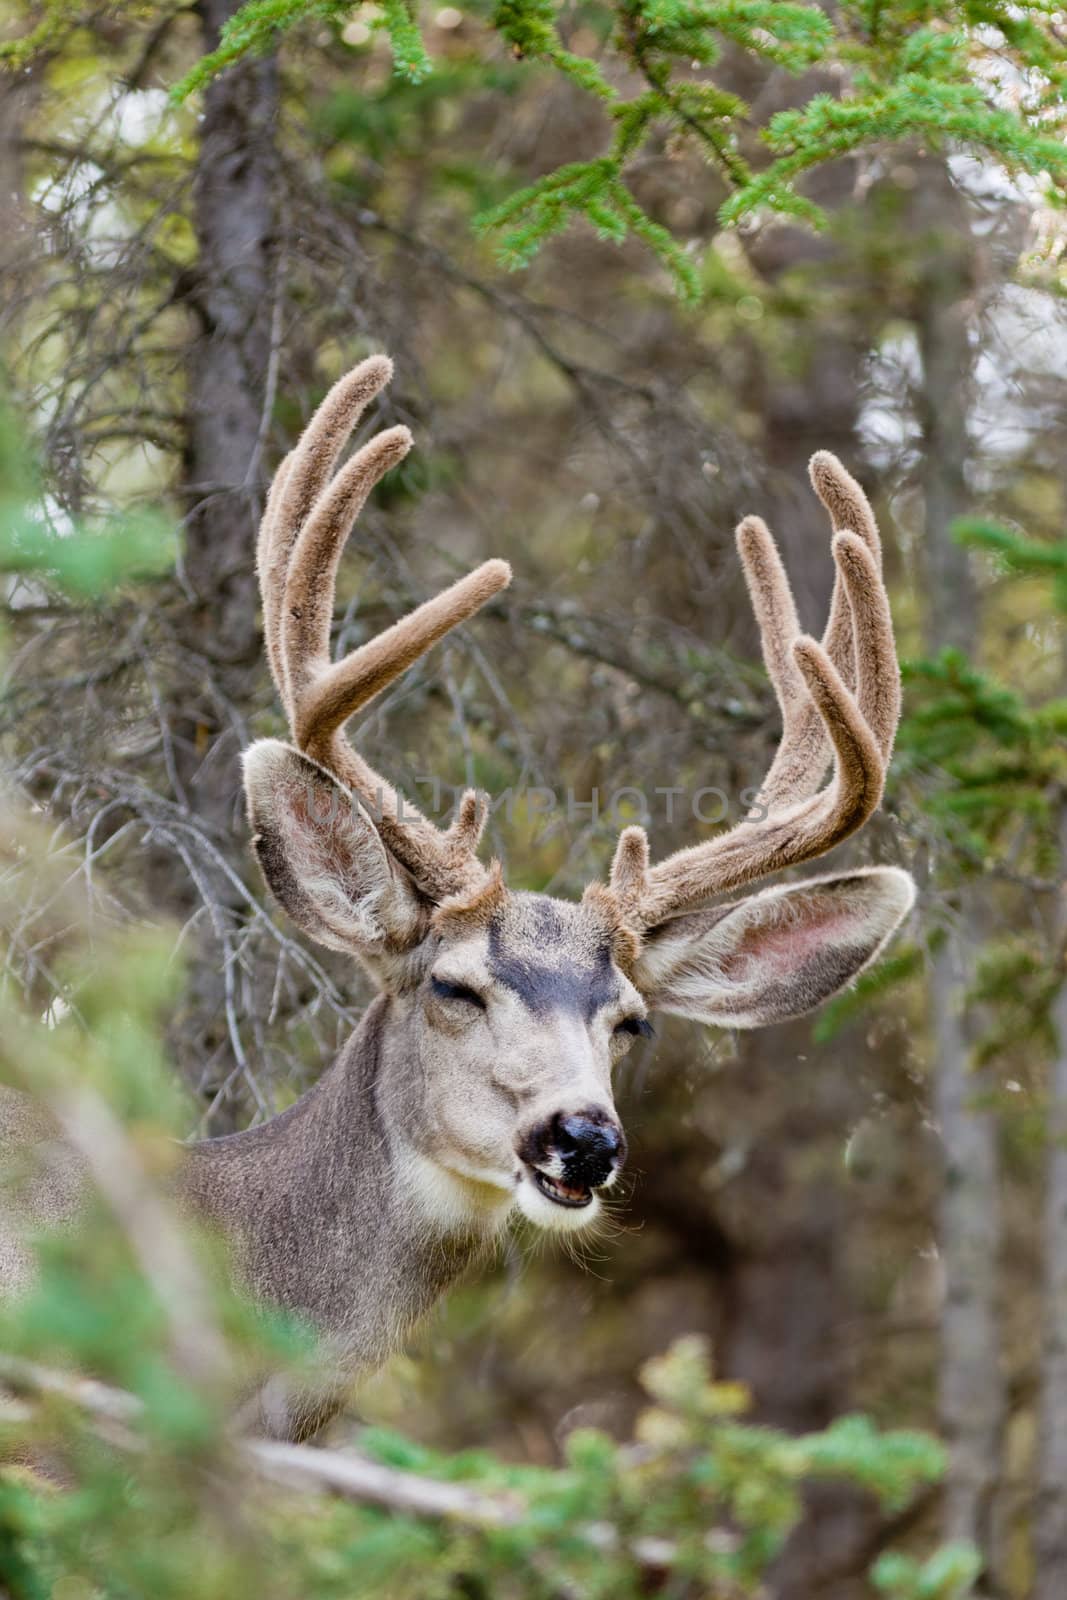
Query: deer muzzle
{"type": "Point", "coordinates": [571, 1154]}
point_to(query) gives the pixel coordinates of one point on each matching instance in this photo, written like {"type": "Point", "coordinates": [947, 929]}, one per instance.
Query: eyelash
{"type": "Point", "coordinates": [638, 1026]}
{"type": "Point", "coordinates": [456, 991]}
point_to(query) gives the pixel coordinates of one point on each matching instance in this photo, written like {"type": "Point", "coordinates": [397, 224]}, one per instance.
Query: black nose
{"type": "Point", "coordinates": [589, 1147]}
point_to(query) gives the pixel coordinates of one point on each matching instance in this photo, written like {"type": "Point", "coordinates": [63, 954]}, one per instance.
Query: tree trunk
{"type": "Point", "coordinates": [228, 409]}
{"type": "Point", "coordinates": [229, 406]}
{"type": "Point", "coordinates": [787, 1295]}
{"type": "Point", "coordinates": [1050, 1513]}
{"type": "Point", "coordinates": [16, 97]}
{"type": "Point", "coordinates": [971, 1389]}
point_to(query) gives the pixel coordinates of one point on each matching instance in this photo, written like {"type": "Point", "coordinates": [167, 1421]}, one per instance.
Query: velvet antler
{"type": "Point", "coordinates": [309, 515]}
{"type": "Point", "coordinates": [839, 699]}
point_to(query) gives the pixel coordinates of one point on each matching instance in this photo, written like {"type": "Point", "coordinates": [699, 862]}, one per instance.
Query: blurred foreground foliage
{"type": "Point", "coordinates": [160, 1493]}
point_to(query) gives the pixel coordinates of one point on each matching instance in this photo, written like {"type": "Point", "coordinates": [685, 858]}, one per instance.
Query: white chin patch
{"type": "Point", "coordinates": [548, 1214]}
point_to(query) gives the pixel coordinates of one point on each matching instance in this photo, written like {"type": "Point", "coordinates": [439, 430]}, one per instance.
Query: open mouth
{"type": "Point", "coordinates": [561, 1194]}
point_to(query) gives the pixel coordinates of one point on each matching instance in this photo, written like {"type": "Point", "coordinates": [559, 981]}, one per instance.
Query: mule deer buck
{"type": "Point", "coordinates": [479, 1080]}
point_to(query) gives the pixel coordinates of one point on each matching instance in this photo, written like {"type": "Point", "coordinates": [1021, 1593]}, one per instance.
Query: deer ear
{"type": "Point", "coordinates": [323, 857]}
{"type": "Point", "coordinates": [775, 955]}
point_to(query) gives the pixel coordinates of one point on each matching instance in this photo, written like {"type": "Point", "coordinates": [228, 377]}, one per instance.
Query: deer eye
{"type": "Point", "coordinates": [640, 1027]}
{"type": "Point", "coordinates": [456, 991]}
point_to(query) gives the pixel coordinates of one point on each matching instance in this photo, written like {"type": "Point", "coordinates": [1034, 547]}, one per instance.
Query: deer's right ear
{"type": "Point", "coordinates": [322, 856]}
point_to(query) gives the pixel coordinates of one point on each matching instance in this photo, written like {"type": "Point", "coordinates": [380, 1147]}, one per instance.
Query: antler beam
{"type": "Point", "coordinates": [307, 521]}
{"type": "Point", "coordinates": [839, 699]}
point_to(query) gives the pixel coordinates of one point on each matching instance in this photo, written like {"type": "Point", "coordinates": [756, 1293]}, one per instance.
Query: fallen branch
{"type": "Point", "coordinates": [356, 1477]}
{"type": "Point", "coordinates": [26, 1378]}
{"type": "Point", "coordinates": [347, 1474]}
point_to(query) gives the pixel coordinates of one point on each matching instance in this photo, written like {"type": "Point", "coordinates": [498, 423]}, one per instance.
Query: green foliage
{"type": "Point", "coordinates": [792, 36]}
{"type": "Point", "coordinates": [701, 1490]}
{"type": "Point", "coordinates": [592, 189]}
{"type": "Point", "coordinates": [1018, 556]}
{"type": "Point", "coordinates": [257, 28]}
{"type": "Point", "coordinates": [1015, 985]}
{"type": "Point", "coordinates": [83, 559]}
{"type": "Point", "coordinates": [409, 51]}
{"type": "Point", "coordinates": [955, 702]}
{"type": "Point", "coordinates": [529, 27]}
{"type": "Point", "coordinates": [90, 558]}
{"type": "Point", "coordinates": [912, 73]}
{"type": "Point", "coordinates": [905, 963]}
{"type": "Point", "coordinates": [989, 752]}
{"type": "Point", "coordinates": [987, 765]}
{"type": "Point", "coordinates": [921, 88]}
{"type": "Point", "coordinates": [55, 21]}
{"type": "Point", "coordinates": [948, 1575]}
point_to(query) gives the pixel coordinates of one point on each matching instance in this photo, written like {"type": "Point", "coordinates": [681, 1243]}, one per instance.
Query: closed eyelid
{"type": "Point", "coordinates": [462, 979]}
{"type": "Point", "coordinates": [456, 988]}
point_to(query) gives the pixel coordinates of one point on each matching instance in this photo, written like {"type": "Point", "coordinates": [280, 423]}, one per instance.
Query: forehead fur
{"type": "Point", "coordinates": [553, 931]}
{"type": "Point", "coordinates": [553, 955]}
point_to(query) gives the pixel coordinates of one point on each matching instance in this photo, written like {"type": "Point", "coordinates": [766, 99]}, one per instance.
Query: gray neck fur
{"type": "Point", "coordinates": [320, 1211]}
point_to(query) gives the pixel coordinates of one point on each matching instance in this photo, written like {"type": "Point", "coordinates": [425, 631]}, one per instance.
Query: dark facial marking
{"type": "Point", "coordinates": [544, 987]}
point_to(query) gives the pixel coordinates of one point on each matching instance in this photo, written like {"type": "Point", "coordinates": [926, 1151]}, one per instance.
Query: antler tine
{"type": "Point", "coordinates": [820, 717]}
{"type": "Point", "coordinates": [311, 573]}
{"type": "Point", "coordinates": [850, 512]}
{"type": "Point", "coordinates": [803, 752]}
{"type": "Point", "coordinates": [297, 484]}
{"type": "Point", "coordinates": [877, 671]}
{"type": "Point", "coordinates": [330, 697]}
{"type": "Point", "coordinates": [305, 527]}
{"type": "Point", "coordinates": [442, 862]}
{"type": "Point", "coordinates": [269, 588]}
{"type": "Point", "coordinates": [803, 744]}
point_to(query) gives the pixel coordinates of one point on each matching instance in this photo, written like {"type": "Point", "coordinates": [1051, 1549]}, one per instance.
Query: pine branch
{"type": "Point", "coordinates": [908, 73]}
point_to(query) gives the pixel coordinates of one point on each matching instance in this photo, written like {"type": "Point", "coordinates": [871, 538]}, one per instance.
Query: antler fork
{"type": "Point", "coordinates": [308, 518]}
{"type": "Point", "coordinates": [839, 698]}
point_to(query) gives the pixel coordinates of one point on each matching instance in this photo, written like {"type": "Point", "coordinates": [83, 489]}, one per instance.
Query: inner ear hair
{"type": "Point", "coordinates": [775, 954]}
{"type": "Point", "coordinates": [323, 857]}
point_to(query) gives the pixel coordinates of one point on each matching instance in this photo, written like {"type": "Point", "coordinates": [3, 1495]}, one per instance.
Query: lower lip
{"type": "Point", "coordinates": [545, 1186]}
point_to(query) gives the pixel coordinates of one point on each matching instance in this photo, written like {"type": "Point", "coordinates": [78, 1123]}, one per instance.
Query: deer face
{"type": "Point", "coordinates": [513, 1007]}
{"type": "Point", "coordinates": [509, 1009]}
{"type": "Point", "coordinates": [524, 1009]}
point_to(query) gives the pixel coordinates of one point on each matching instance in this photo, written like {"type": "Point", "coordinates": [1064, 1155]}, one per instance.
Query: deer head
{"type": "Point", "coordinates": [512, 1007]}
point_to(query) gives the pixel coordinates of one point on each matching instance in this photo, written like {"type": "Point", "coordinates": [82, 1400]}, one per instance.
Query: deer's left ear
{"type": "Point", "coordinates": [776, 954]}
